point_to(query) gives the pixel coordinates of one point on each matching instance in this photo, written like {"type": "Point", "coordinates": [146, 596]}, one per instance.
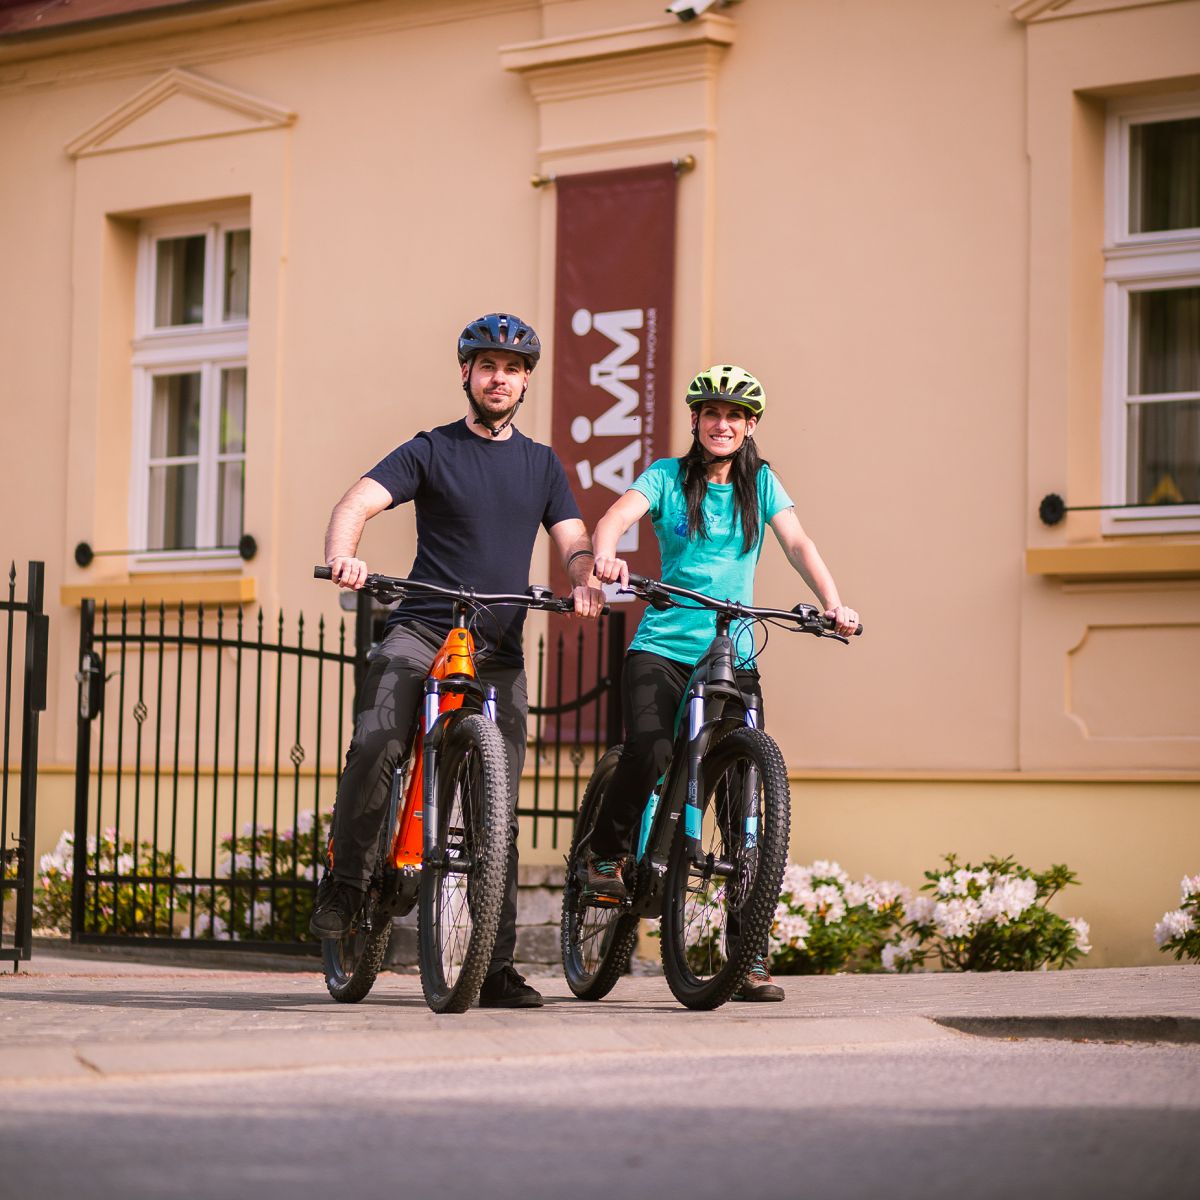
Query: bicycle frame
{"type": "Point", "coordinates": [452, 678]}
{"type": "Point", "coordinates": [711, 690]}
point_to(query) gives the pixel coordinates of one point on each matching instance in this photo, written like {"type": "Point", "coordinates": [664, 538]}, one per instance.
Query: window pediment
{"type": "Point", "coordinates": [179, 106]}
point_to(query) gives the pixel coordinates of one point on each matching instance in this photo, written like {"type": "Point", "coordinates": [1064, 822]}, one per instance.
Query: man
{"type": "Point", "coordinates": [481, 490]}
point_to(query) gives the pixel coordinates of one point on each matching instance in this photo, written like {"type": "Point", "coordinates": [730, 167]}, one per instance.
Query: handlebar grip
{"type": "Point", "coordinates": [830, 624]}
{"type": "Point", "coordinates": [322, 572]}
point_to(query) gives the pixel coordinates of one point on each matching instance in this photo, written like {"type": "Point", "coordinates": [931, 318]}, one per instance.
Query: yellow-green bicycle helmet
{"type": "Point", "coordinates": [731, 384]}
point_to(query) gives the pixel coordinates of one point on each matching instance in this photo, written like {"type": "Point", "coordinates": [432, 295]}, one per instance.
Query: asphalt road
{"type": "Point", "coordinates": [949, 1115]}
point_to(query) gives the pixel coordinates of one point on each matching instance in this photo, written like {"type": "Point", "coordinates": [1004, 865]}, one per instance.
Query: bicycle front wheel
{"type": "Point", "coordinates": [597, 939]}
{"type": "Point", "coordinates": [718, 911]}
{"type": "Point", "coordinates": [463, 884]}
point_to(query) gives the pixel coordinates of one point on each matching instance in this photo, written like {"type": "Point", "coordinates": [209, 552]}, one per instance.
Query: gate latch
{"type": "Point", "coordinates": [90, 678]}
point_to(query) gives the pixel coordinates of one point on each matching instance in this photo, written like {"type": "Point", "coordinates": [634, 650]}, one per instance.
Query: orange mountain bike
{"type": "Point", "coordinates": [444, 843]}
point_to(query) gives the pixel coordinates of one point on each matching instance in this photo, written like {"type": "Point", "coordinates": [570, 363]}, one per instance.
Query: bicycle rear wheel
{"type": "Point", "coordinates": [597, 940]}
{"type": "Point", "coordinates": [353, 962]}
{"type": "Point", "coordinates": [462, 886]}
{"type": "Point", "coordinates": [717, 914]}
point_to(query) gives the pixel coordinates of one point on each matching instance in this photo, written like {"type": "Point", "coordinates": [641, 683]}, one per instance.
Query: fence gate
{"type": "Point", "coordinates": [27, 694]}
{"type": "Point", "coordinates": [206, 759]}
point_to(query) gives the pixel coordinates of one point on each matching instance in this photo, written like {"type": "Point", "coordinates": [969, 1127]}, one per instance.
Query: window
{"type": "Point", "coordinates": [1152, 324]}
{"type": "Point", "coordinates": [189, 360]}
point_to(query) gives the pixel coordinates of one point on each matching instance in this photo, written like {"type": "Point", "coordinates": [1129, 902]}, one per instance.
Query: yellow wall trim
{"type": "Point", "coordinates": [189, 592]}
{"type": "Point", "coordinates": [1159, 560]}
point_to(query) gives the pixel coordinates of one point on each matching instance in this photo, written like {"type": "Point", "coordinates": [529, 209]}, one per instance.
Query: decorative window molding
{"type": "Point", "coordinates": [190, 354]}
{"type": "Point", "coordinates": [1152, 339]}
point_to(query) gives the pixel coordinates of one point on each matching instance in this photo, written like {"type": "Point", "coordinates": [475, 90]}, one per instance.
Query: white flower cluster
{"type": "Point", "coordinates": [964, 902]}
{"type": "Point", "coordinates": [1175, 924]}
{"type": "Point", "coordinates": [1000, 899]}
{"type": "Point", "coordinates": [1180, 922]}
{"type": "Point", "coordinates": [896, 954]}
{"type": "Point", "coordinates": [822, 894]}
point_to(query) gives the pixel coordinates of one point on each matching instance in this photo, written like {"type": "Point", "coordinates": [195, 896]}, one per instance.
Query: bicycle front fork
{"type": "Point", "coordinates": [747, 818]}
{"type": "Point", "coordinates": [434, 718]}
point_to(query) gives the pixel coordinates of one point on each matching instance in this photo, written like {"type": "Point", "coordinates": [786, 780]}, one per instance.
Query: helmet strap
{"type": "Point", "coordinates": [481, 419]}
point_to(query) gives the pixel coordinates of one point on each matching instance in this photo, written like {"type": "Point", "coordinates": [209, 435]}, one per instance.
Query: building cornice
{"type": "Point", "coordinates": [710, 30]}
{"type": "Point", "coordinates": [163, 39]}
{"type": "Point", "coordinates": [1032, 11]}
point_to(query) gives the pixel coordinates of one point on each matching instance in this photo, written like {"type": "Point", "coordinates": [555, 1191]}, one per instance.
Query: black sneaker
{"type": "Point", "coordinates": [337, 905]}
{"type": "Point", "coordinates": [506, 989]}
{"type": "Point", "coordinates": [602, 880]}
{"type": "Point", "coordinates": [758, 984]}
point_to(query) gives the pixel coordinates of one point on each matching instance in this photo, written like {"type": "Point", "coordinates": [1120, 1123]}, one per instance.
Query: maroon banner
{"type": "Point", "coordinates": [613, 307]}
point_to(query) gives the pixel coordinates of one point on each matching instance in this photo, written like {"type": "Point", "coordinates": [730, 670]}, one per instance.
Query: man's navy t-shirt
{"type": "Point", "coordinates": [479, 503]}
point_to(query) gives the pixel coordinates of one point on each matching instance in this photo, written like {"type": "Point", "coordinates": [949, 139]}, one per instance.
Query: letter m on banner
{"type": "Point", "coordinates": [613, 310]}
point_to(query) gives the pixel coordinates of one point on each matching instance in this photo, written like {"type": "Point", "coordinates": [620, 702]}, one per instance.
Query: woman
{"type": "Point", "coordinates": [710, 510]}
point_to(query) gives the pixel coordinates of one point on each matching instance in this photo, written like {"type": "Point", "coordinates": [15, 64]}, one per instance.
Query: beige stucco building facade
{"type": "Point", "coordinates": [911, 220]}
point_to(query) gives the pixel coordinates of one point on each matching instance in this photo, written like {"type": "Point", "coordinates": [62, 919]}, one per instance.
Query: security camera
{"type": "Point", "coordinates": [689, 10]}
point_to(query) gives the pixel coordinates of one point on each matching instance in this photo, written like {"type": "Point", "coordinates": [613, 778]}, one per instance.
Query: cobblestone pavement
{"type": "Point", "coordinates": [75, 1016]}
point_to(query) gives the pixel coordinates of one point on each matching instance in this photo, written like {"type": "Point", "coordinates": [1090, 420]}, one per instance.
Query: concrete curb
{"type": "Point", "coordinates": [488, 1036]}
{"type": "Point", "coordinates": [1176, 1030]}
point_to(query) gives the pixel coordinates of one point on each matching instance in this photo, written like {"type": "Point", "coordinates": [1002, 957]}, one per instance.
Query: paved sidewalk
{"type": "Point", "coordinates": [64, 1017]}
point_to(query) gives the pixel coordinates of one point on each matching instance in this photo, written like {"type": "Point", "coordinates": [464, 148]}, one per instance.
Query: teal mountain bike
{"type": "Point", "coordinates": [713, 841]}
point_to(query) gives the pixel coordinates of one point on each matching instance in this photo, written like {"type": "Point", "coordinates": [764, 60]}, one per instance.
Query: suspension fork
{"type": "Point", "coordinates": [750, 783]}
{"type": "Point", "coordinates": [691, 810]}
{"type": "Point", "coordinates": [429, 805]}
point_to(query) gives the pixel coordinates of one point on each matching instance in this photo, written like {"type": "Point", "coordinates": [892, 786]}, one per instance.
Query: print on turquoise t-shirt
{"type": "Point", "coordinates": [716, 565]}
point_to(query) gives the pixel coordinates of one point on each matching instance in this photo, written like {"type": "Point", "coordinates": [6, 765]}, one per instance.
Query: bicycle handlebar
{"type": "Point", "coordinates": [391, 587]}
{"type": "Point", "coordinates": [807, 617]}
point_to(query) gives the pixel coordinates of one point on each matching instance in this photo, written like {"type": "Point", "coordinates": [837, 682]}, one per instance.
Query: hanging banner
{"type": "Point", "coordinates": [613, 308]}
{"type": "Point", "coordinates": [614, 299]}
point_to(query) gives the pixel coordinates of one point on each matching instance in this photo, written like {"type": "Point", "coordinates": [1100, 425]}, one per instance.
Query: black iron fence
{"type": "Point", "coordinates": [24, 693]}
{"type": "Point", "coordinates": [207, 756]}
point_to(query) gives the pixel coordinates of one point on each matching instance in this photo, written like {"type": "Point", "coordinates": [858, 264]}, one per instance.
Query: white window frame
{"type": "Point", "coordinates": [1137, 262]}
{"type": "Point", "coordinates": [206, 348]}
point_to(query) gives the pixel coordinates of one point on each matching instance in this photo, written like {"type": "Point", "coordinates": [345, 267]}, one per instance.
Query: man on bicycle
{"type": "Point", "coordinates": [480, 490]}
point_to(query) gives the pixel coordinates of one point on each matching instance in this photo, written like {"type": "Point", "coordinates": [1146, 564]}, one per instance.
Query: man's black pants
{"type": "Point", "coordinates": [390, 704]}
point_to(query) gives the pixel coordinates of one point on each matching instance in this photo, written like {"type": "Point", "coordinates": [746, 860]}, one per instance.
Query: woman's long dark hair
{"type": "Point", "coordinates": [743, 474]}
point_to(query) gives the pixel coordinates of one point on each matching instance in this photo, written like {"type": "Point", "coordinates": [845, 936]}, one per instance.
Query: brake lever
{"type": "Point", "coordinates": [385, 594]}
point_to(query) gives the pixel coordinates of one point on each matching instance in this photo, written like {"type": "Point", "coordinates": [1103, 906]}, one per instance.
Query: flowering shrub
{"type": "Point", "coordinates": [110, 906]}
{"type": "Point", "coordinates": [988, 918]}
{"type": "Point", "coordinates": [248, 909]}
{"type": "Point", "coordinates": [1179, 930]}
{"type": "Point", "coordinates": [827, 922]}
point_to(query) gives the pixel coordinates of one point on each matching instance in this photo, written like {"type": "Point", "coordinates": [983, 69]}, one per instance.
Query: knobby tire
{"type": "Point", "coordinates": [596, 942]}
{"type": "Point", "coordinates": [712, 932]}
{"type": "Point", "coordinates": [460, 912]}
{"type": "Point", "coordinates": [353, 962]}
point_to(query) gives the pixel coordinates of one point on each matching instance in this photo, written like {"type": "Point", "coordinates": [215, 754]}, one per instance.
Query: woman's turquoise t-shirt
{"type": "Point", "coordinates": [715, 565]}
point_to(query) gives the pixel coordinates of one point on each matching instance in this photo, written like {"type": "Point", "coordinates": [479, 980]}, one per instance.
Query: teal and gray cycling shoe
{"type": "Point", "coordinates": [758, 984]}
{"type": "Point", "coordinates": [602, 880]}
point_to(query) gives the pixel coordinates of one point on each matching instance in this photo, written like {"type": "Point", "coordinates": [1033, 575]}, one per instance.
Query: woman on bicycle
{"type": "Point", "coordinates": [710, 510]}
